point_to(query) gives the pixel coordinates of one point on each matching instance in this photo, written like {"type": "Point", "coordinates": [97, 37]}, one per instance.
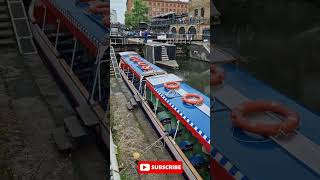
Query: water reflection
{"type": "Point", "coordinates": [195, 72]}
{"type": "Point", "coordinates": [279, 41]}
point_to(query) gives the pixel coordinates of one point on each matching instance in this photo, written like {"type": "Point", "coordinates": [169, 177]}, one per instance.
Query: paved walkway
{"type": "Point", "coordinates": [31, 105]}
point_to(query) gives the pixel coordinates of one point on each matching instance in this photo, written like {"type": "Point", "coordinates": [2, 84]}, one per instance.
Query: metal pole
{"type": "Point", "coordinates": [155, 109]}
{"type": "Point", "coordinates": [140, 84]}
{"type": "Point", "coordinates": [94, 86]}
{"type": "Point", "coordinates": [145, 91]}
{"type": "Point", "coordinates": [99, 80]}
{"type": "Point", "coordinates": [57, 34]}
{"type": "Point", "coordinates": [175, 134]}
{"type": "Point", "coordinates": [44, 17]}
{"type": "Point", "coordinates": [73, 52]}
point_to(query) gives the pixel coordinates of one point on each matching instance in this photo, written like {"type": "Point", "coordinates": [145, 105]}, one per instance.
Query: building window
{"type": "Point", "coordinates": [195, 12]}
{"type": "Point", "coordinates": [202, 12]}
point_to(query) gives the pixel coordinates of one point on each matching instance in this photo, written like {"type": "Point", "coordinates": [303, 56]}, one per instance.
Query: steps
{"type": "Point", "coordinates": [61, 139]}
{"type": "Point", "coordinates": [164, 54]}
{"type": "Point", "coordinates": [20, 23]}
{"type": "Point", "coordinates": [132, 104]}
{"type": "Point", "coordinates": [6, 30]}
{"type": "Point", "coordinates": [114, 68]}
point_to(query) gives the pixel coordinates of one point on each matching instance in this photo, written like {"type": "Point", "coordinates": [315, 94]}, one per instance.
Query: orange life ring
{"type": "Point", "coordinates": [289, 124]}
{"type": "Point", "coordinates": [146, 68]}
{"type": "Point", "coordinates": [135, 59]}
{"type": "Point", "coordinates": [217, 76]}
{"type": "Point", "coordinates": [142, 63]}
{"type": "Point", "coordinates": [171, 85]}
{"type": "Point", "coordinates": [193, 99]}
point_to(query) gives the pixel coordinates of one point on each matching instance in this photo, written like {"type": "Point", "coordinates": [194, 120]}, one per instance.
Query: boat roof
{"type": "Point", "coordinates": [90, 24]}
{"type": "Point", "coordinates": [266, 159]}
{"type": "Point", "coordinates": [136, 68]}
{"type": "Point", "coordinates": [198, 117]}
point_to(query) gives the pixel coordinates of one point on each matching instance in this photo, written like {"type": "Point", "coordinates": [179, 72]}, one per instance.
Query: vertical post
{"type": "Point", "coordinates": [73, 52]}
{"type": "Point", "coordinates": [57, 34]}
{"type": "Point", "coordinates": [155, 108]}
{"type": "Point", "coordinates": [99, 80]}
{"type": "Point", "coordinates": [132, 77]}
{"type": "Point", "coordinates": [145, 91]}
{"type": "Point", "coordinates": [94, 87]}
{"type": "Point", "coordinates": [140, 84]}
{"type": "Point", "coordinates": [175, 133]}
{"type": "Point", "coordinates": [44, 17]}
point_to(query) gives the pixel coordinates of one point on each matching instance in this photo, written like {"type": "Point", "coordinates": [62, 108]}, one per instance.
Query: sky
{"type": "Point", "coordinates": [120, 6]}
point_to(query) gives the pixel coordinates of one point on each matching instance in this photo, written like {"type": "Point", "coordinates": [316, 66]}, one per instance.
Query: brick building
{"type": "Point", "coordinates": [158, 7]}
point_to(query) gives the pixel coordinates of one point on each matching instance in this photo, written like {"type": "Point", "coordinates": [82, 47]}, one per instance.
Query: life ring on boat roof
{"type": "Point", "coordinates": [289, 123]}
{"type": "Point", "coordinates": [172, 85]}
{"type": "Point", "coordinates": [217, 76]}
{"type": "Point", "coordinates": [146, 68]}
{"type": "Point", "coordinates": [192, 98]}
{"type": "Point", "coordinates": [135, 59]}
{"type": "Point", "coordinates": [141, 63]}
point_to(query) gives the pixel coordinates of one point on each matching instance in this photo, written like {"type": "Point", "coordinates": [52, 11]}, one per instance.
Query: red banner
{"type": "Point", "coordinates": [160, 167]}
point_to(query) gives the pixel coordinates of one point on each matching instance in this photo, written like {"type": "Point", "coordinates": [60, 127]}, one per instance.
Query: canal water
{"type": "Point", "coordinates": [277, 41]}
{"type": "Point", "coordinates": [194, 72]}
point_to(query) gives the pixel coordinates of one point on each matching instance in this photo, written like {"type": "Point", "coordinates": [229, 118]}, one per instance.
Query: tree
{"type": "Point", "coordinates": [138, 14]}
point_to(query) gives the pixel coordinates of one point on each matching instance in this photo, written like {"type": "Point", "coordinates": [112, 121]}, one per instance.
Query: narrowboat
{"type": "Point", "coordinates": [176, 110]}
{"type": "Point", "coordinates": [72, 36]}
{"type": "Point", "coordinates": [259, 133]}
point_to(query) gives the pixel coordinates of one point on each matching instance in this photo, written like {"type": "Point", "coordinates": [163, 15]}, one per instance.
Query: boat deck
{"type": "Point", "coordinates": [89, 24]}
{"type": "Point", "coordinates": [258, 158]}
{"type": "Point", "coordinates": [198, 117]}
{"type": "Point", "coordinates": [136, 68]}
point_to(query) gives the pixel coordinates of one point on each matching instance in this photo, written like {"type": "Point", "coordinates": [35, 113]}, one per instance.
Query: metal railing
{"type": "Point", "coordinates": [168, 38]}
{"type": "Point", "coordinates": [185, 21]}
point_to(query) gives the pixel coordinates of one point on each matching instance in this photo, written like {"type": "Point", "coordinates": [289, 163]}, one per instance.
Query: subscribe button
{"type": "Point", "coordinates": [160, 167]}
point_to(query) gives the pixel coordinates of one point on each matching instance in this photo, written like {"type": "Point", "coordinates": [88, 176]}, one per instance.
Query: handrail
{"type": "Point", "coordinates": [31, 10]}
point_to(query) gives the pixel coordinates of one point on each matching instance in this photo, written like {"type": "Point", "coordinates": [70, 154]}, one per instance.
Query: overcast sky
{"type": "Point", "coordinates": [121, 7]}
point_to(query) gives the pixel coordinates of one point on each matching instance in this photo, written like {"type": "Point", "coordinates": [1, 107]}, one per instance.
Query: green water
{"type": "Point", "coordinates": [195, 72]}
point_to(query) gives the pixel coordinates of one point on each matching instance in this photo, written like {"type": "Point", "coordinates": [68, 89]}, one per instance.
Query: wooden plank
{"type": "Point", "coordinates": [133, 102]}
{"type": "Point", "coordinates": [301, 148]}
{"type": "Point", "coordinates": [73, 125]}
{"type": "Point", "coordinates": [61, 140]}
{"type": "Point", "coordinates": [136, 97]}
{"type": "Point", "coordinates": [87, 116]}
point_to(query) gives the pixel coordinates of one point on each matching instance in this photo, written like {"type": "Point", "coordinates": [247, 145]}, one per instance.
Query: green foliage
{"type": "Point", "coordinates": [138, 14]}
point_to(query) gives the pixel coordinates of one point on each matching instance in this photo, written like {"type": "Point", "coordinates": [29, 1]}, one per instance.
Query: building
{"type": "Point", "coordinates": [113, 16]}
{"type": "Point", "coordinates": [197, 21]}
{"type": "Point", "coordinates": [159, 7]}
{"type": "Point", "coordinates": [199, 8]}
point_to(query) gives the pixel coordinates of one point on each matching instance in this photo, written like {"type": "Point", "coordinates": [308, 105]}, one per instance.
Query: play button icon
{"type": "Point", "coordinates": [144, 167]}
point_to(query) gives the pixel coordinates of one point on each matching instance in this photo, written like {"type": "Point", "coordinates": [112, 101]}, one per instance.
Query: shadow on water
{"type": "Point", "coordinates": [280, 41]}
{"type": "Point", "coordinates": [195, 72]}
